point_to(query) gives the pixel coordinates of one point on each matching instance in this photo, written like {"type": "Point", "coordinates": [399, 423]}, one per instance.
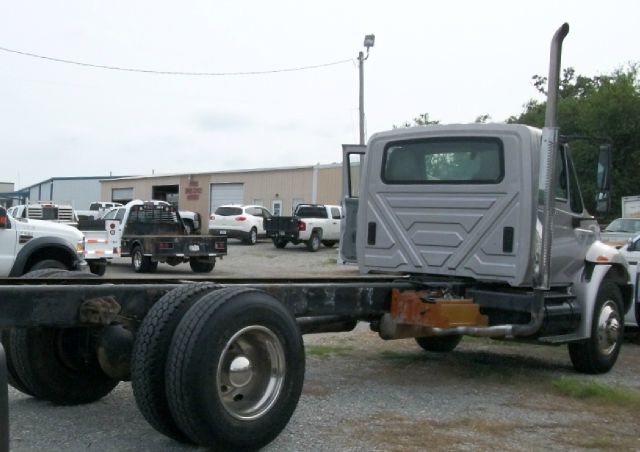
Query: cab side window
{"type": "Point", "coordinates": [120, 214]}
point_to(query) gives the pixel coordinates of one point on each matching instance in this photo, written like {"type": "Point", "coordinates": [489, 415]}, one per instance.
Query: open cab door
{"type": "Point", "coordinates": [352, 163]}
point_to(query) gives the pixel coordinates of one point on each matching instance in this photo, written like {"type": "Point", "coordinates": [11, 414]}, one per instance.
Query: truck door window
{"type": "Point", "coordinates": [355, 160]}
{"type": "Point", "coordinates": [575, 195]}
{"type": "Point", "coordinates": [335, 212]}
{"type": "Point", "coordinates": [561, 190]}
{"type": "Point", "coordinates": [444, 161]}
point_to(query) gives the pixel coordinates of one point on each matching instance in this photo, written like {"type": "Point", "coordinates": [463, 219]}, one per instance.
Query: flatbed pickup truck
{"type": "Point", "coordinates": [152, 231]}
{"type": "Point", "coordinates": [311, 224]}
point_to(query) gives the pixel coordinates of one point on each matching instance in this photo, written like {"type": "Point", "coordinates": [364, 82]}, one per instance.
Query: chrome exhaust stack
{"type": "Point", "coordinates": [548, 154]}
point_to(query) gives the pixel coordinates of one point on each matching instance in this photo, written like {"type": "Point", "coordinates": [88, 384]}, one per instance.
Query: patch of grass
{"type": "Point", "coordinates": [324, 351]}
{"type": "Point", "coordinates": [596, 392]}
{"type": "Point", "coordinates": [330, 261]}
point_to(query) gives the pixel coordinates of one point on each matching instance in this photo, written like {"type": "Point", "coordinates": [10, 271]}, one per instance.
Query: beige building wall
{"type": "Point", "coordinates": [288, 185]}
{"type": "Point", "coordinates": [329, 185]}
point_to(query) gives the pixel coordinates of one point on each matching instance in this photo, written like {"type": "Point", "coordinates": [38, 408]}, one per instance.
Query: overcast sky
{"type": "Point", "coordinates": [455, 60]}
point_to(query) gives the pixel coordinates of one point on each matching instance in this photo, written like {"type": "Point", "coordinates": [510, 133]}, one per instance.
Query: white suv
{"type": "Point", "coordinates": [239, 222]}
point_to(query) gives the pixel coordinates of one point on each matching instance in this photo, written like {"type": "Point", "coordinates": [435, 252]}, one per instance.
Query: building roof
{"type": "Point", "coordinates": [52, 179]}
{"type": "Point", "coordinates": [234, 171]}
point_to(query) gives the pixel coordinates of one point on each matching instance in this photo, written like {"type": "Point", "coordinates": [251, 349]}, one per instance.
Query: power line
{"type": "Point", "coordinates": [187, 73]}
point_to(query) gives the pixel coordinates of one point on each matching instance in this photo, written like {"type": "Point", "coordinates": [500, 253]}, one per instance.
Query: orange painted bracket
{"type": "Point", "coordinates": [410, 308]}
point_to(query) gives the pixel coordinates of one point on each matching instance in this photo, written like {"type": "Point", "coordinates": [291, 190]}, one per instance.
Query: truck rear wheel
{"type": "Point", "coordinates": [149, 357]}
{"type": "Point", "coordinates": [439, 344]}
{"type": "Point", "coordinates": [12, 375]}
{"type": "Point", "coordinates": [142, 263]}
{"type": "Point", "coordinates": [279, 243]}
{"type": "Point", "coordinates": [201, 266]}
{"type": "Point", "coordinates": [235, 369]}
{"type": "Point", "coordinates": [313, 244]}
{"type": "Point", "coordinates": [599, 353]}
{"type": "Point", "coordinates": [98, 268]}
{"type": "Point", "coordinates": [56, 364]}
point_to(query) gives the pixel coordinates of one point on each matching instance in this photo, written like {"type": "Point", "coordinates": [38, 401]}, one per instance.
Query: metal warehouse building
{"type": "Point", "coordinates": [279, 189]}
{"type": "Point", "coordinates": [78, 191]}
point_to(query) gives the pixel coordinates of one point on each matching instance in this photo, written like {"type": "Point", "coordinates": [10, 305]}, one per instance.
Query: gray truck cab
{"type": "Point", "coordinates": [458, 200]}
{"type": "Point", "coordinates": [489, 223]}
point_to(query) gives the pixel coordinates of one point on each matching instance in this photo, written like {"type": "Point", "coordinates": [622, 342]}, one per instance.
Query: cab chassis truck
{"type": "Point", "coordinates": [482, 227]}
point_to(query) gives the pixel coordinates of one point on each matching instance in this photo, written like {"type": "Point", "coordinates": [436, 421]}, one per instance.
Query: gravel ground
{"type": "Point", "coordinates": [362, 393]}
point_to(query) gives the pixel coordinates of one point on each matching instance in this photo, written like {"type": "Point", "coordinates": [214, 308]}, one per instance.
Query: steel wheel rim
{"type": "Point", "coordinates": [608, 332]}
{"type": "Point", "coordinates": [250, 373]}
{"type": "Point", "coordinates": [137, 259]}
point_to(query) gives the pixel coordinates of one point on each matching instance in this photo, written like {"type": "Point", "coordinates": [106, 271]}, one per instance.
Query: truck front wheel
{"type": "Point", "coordinates": [599, 353]}
{"type": "Point", "coordinates": [235, 369]}
{"type": "Point", "coordinates": [48, 263]}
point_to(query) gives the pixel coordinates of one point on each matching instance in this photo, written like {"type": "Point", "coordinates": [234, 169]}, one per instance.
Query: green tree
{"type": "Point", "coordinates": [600, 107]}
{"type": "Point", "coordinates": [421, 120]}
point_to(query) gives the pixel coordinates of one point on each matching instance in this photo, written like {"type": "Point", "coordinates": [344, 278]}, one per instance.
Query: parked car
{"type": "Point", "coordinates": [239, 222]}
{"type": "Point", "coordinates": [631, 251]}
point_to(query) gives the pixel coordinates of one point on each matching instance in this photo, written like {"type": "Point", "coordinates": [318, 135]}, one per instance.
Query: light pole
{"type": "Point", "coordinates": [369, 40]}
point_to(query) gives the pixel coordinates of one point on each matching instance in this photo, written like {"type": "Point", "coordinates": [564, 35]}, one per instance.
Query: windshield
{"type": "Point", "coordinates": [624, 225]}
{"type": "Point", "coordinates": [228, 211]}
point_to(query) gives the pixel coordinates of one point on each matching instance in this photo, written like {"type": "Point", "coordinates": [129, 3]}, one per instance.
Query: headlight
{"type": "Point", "coordinates": [80, 246]}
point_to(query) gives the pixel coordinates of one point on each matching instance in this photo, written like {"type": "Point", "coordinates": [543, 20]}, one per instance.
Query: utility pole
{"type": "Point", "coordinates": [368, 43]}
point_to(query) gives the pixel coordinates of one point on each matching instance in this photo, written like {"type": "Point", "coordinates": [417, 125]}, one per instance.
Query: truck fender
{"type": "Point", "coordinates": [589, 285]}
{"type": "Point", "coordinates": [37, 244]}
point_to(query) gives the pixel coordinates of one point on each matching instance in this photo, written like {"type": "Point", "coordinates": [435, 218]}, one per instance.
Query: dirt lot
{"type": "Point", "coordinates": [362, 393]}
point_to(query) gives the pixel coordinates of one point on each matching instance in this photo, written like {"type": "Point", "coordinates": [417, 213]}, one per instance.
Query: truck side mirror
{"type": "Point", "coordinates": [604, 168]}
{"type": "Point", "coordinates": [4, 221]}
{"type": "Point", "coordinates": [603, 179]}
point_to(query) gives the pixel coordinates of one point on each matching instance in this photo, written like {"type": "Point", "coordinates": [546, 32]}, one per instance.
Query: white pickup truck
{"type": "Point", "coordinates": [98, 246]}
{"type": "Point", "coordinates": [311, 224]}
{"type": "Point", "coordinates": [27, 245]}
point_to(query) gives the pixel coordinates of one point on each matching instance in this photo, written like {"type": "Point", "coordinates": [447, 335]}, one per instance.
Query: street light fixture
{"type": "Point", "coordinates": [369, 41]}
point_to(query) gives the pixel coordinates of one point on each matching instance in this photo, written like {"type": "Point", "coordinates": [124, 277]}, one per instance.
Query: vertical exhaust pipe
{"type": "Point", "coordinates": [548, 154]}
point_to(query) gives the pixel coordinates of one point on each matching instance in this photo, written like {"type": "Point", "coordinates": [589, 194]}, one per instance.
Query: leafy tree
{"type": "Point", "coordinates": [421, 120]}
{"type": "Point", "coordinates": [482, 119]}
{"type": "Point", "coordinates": [599, 107]}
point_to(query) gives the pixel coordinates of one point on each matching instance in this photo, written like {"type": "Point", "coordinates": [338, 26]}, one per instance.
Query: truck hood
{"type": "Point", "coordinates": [616, 239]}
{"type": "Point", "coordinates": [41, 228]}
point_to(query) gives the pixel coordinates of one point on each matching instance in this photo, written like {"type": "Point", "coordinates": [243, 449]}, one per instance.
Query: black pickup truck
{"type": "Point", "coordinates": [152, 231]}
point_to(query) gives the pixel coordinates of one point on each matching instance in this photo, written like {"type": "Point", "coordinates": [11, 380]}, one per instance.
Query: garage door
{"type": "Point", "coordinates": [122, 195]}
{"type": "Point", "coordinates": [225, 194]}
